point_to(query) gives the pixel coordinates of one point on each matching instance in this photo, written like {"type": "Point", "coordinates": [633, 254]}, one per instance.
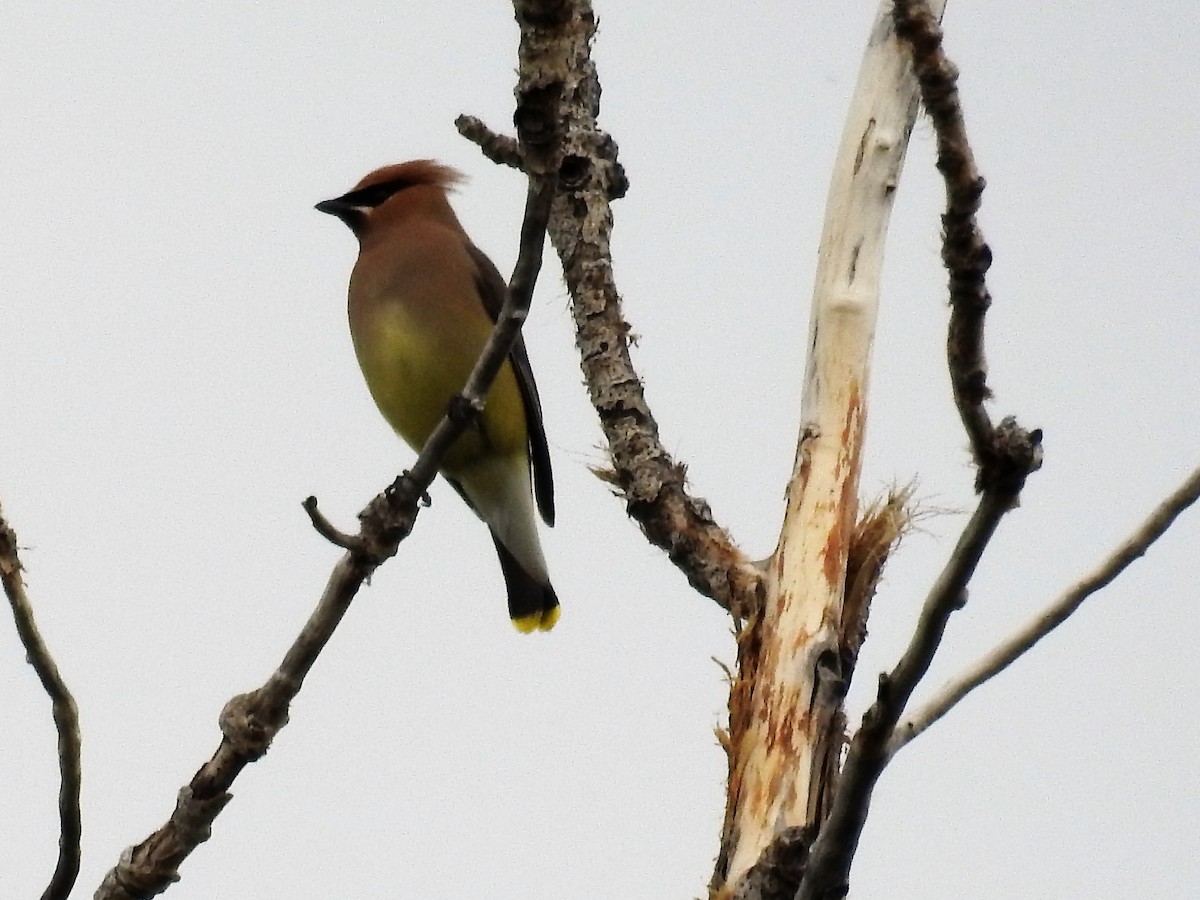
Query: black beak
{"type": "Point", "coordinates": [336, 207]}
{"type": "Point", "coordinates": [351, 214]}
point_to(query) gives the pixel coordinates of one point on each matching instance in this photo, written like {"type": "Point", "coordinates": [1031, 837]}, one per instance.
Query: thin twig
{"type": "Point", "coordinates": [1054, 615]}
{"type": "Point", "coordinates": [504, 335]}
{"type": "Point", "coordinates": [328, 530]}
{"type": "Point", "coordinates": [66, 717]}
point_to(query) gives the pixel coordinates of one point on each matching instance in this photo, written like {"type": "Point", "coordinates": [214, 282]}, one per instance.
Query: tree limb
{"type": "Point", "coordinates": [66, 717]}
{"type": "Point", "coordinates": [787, 725]}
{"type": "Point", "coordinates": [1000, 658]}
{"type": "Point", "coordinates": [652, 483]}
{"type": "Point", "coordinates": [965, 253]}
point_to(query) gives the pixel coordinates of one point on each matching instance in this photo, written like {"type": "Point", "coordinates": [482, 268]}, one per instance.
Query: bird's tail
{"type": "Point", "coordinates": [498, 490]}
{"type": "Point", "coordinates": [532, 604]}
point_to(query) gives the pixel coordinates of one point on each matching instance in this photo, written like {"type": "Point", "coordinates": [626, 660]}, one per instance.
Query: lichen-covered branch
{"type": "Point", "coordinates": [66, 717]}
{"type": "Point", "coordinates": [652, 483]}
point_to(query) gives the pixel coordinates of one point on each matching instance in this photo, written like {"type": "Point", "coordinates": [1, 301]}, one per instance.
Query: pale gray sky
{"type": "Point", "coordinates": [179, 377]}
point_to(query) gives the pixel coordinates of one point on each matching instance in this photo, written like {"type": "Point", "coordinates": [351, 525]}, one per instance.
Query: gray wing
{"type": "Point", "coordinates": [492, 290]}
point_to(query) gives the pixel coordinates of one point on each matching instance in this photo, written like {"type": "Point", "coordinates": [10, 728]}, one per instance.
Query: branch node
{"type": "Point", "coordinates": [249, 724]}
{"type": "Point", "coordinates": [464, 411]}
{"type": "Point", "coordinates": [1011, 455]}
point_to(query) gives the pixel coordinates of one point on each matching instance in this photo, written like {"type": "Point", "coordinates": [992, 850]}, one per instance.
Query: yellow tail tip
{"type": "Point", "coordinates": [542, 620]}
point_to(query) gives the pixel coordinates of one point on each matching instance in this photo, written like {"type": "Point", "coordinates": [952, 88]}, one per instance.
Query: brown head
{"type": "Point", "coordinates": [384, 193]}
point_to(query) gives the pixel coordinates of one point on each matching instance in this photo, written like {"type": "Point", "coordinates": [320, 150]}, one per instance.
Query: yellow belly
{"type": "Point", "coordinates": [413, 368]}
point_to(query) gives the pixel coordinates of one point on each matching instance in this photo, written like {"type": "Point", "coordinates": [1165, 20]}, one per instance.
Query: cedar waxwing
{"type": "Point", "coordinates": [422, 301]}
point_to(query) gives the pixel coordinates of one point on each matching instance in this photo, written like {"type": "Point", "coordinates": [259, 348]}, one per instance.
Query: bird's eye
{"type": "Point", "coordinates": [375, 194]}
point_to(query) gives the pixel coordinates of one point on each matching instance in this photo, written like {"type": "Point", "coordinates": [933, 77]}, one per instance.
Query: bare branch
{"type": "Point", "coordinates": [787, 725]}
{"type": "Point", "coordinates": [652, 483]}
{"type": "Point", "coordinates": [964, 251]}
{"type": "Point", "coordinates": [1054, 615]}
{"type": "Point", "coordinates": [508, 325]}
{"type": "Point", "coordinates": [249, 723]}
{"type": "Point", "coordinates": [66, 717]}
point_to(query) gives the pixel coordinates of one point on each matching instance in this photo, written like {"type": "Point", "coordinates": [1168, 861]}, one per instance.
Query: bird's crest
{"type": "Point", "coordinates": [413, 173]}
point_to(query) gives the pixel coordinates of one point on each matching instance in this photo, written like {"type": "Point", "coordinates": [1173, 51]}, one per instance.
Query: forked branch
{"type": "Point", "coordinates": [1004, 655]}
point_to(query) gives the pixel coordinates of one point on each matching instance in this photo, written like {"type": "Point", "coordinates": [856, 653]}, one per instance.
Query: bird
{"type": "Point", "coordinates": [422, 302]}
